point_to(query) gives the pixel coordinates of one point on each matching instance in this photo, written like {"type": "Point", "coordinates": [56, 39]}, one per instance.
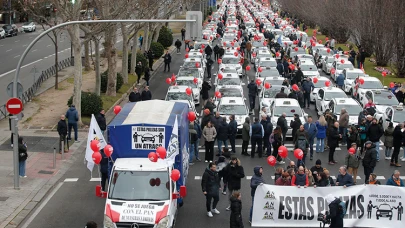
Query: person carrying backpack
{"type": "Point", "coordinates": [337, 211]}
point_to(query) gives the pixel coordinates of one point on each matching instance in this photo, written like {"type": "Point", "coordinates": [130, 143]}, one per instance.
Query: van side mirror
{"type": "Point", "coordinates": [183, 191]}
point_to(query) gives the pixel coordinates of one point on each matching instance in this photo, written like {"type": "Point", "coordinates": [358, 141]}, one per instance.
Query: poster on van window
{"type": "Point", "coordinates": [138, 212]}
{"type": "Point", "coordinates": [289, 206]}
{"type": "Point", "coordinates": [173, 147]}
{"type": "Point", "coordinates": [147, 137]}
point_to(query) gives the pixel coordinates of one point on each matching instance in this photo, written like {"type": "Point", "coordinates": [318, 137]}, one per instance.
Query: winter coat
{"type": "Point", "coordinates": [146, 74]}
{"type": "Point", "coordinates": [234, 174]}
{"type": "Point", "coordinates": [249, 46]}
{"type": "Point", "coordinates": [62, 127]}
{"type": "Point", "coordinates": [335, 215]}
{"type": "Point", "coordinates": [280, 68]}
{"type": "Point", "coordinates": [103, 162]}
{"type": "Point", "coordinates": [344, 120]}
{"type": "Point", "coordinates": [232, 129]}
{"type": "Point", "coordinates": [206, 119]}
{"type": "Point", "coordinates": [22, 151]}
{"type": "Point", "coordinates": [217, 122]}
{"type": "Point", "coordinates": [397, 136]}
{"type": "Point", "coordinates": [333, 138]}
{"type": "Point", "coordinates": [370, 157]}
{"type": "Point", "coordinates": [236, 213]}
{"type": "Point", "coordinates": [295, 125]}
{"type": "Point", "coordinates": [209, 133]}
{"type": "Point", "coordinates": [222, 131]}
{"type": "Point", "coordinates": [322, 183]}
{"type": "Point", "coordinates": [135, 97]}
{"type": "Point", "coordinates": [216, 49]}
{"type": "Point", "coordinates": [311, 129]}
{"type": "Point", "coordinates": [375, 131]}
{"type": "Point", "coordinates": [315, 169]}
{"type": "Point", "coordinates": [245, 131]}
{"type": "Point", "coordinates": [252, 88]}
{"type": "Point", "coordinates": [138, 69]}
{"type": "Point", "coordinates": [345, 180]}
{"type": "Point", "coordinates": [307, 86]}
{"type": "Point", "coordinates": [208, 50]}
{"type": "Point", "coordinates": [210, 106]}
{"type": "Point", "coordinates": [146, 95]}
{"type": "Point", "coordinates": [72, 115]}
{"type": "Point", "coordinates": [298, 76]}
{"type": "Point", "coordinates": [321, 134]}
{"type": "Point", "coordinates": [281, 95]}
{"type": "Point", "coordinates": [167, 58]}
{"type": "Point", "coordinates": [177, 43]}
{"type": "Point", "coordinates": [256, 180]}
{"type": "Point", "coordinates": [101, 121]}
{"type": "Point", "coordinates": [392, 182]}
{"type": "Point", "coordinates": [204, 90]}
{"type": "Point", "coordinates": [282, 122]}
{"type": "Point", "coordinates": [281, 182]}
{"type": "Point", "coordinates": [210, 182]}
{"type": "Point", "coordinates": [389, 137]}
{"type": "Point", "coordinates": [299, 180]}
{"type": "Point", "coordinates": [352, 161]}
{"type": "Point", "coordinates": [340, 80]}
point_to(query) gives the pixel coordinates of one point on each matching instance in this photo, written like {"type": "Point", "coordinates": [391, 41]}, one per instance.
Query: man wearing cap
{"type": "Point", "coordinates": [281, 94]}
{"type": "Point", "coordinates": [317, 168]}
{"type": "Point", "coordinates": [374, 132]}
{"type": "Point", "coordinates": [370, 159]}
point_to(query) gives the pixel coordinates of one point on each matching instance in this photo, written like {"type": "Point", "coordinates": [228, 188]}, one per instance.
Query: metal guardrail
{"type": "Point", "coordinates": [30, 93]}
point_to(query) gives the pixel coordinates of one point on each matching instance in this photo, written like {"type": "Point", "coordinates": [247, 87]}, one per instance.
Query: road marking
{"type": "Point", "coordinates": [248, 177]}
{"type": "Point", "coordinates": [48, 45]}
{"type": "Point", "coordinates": [197, 178]}
{"type": "Point", "coordinates": [34, 50]}
{"type": "Point", "coordinates": [36, 62]}
{"type": "Point", "coordinates": [17, 41]}
{"type": "Point", "coordinates": [17, 56]}
{"type": "Point", "coordinates": [402, 177]}
{"type": "Point", "coordinates": [380, 178]}
{"type": "Point", "coordinates": [42, 205]}
{"type": "Point", "coordinates": [333, 177]}
{"type": "Point", "coordinates": [9, 50]}
{"type": "Point", "coordinates": [95, 179]}
{"type": "Point", "coordinates": [71, 180]}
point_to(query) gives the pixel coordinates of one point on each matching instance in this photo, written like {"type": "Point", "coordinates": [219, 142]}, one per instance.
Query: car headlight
{"type": "Point", "coordinates": [108, 223]}
{"type": "Point", "coordinates": [163, 223]}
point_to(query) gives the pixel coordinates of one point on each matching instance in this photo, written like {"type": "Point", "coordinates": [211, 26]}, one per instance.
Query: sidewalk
{"type": "Point", "coordinates": [15, 205]}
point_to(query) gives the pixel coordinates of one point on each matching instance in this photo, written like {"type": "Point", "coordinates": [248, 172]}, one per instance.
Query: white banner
{"type": "Point", "coordinates": [173, 148]}
{"type": "Point", "coordinates": [94, 133]}
{"type": "Point", "coordinates": [367, 206]}
{"type": "Point", "coordinates": [147, 137]}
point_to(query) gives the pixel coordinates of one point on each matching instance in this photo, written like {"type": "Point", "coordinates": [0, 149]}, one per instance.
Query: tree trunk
{"type": "Point", "coordinates": [145, 45]}
{"type": "Point", "coordinates": [97, 66]}
{"type": "Point", "coordinates": [124, 52]}
{"type": "Point", "coordinates": [87, 66]}
{"type": "Point", "coordinates": [74, 33]}
{"type": "Point", "coordinates": [111, 54]}
{"type": "Point", "coordinates": [56, 60]}
{"type": "Point", "coordinates": [156, 33]}
{"type": "Point", "coordinates": [133, 53]}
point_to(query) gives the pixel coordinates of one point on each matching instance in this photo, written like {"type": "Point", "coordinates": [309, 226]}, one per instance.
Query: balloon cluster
{"type": "Point", "coordinates": [161, 153]}
{"type": "Point", "coordinates": [95, 147]}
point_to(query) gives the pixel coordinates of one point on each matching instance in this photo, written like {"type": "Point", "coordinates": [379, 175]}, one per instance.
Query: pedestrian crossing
{"type": "Point", "coordinates": [333, 177]}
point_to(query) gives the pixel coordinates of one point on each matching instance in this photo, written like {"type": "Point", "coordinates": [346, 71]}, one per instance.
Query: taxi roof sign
{"type": "Point", "coordinates": [342, 101]}
{"type": "Point", "coordinates": [286, 102]}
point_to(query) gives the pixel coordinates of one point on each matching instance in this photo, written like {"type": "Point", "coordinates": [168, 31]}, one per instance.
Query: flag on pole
{"type": "Point", "coordinates": [94, 134]}
{"type": "Point", "coordinates": [173, 147]}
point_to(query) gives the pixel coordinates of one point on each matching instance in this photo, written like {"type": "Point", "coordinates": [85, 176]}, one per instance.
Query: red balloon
{"type": "Point", "coordinates": [296, 49]}
{"type": "Point", "coordinates": [258, 81]}
{"type": "Point", "coordinates": [352, 151]}
{"type": "Point", "coordinates": [218, 94]}
{"type": "Point", "coordinates": [175, 175]}
{"type": "Point", "coordinates": [195, 80]}
{"type": "Point", "coordinates": [342, 61]}
{"type": "Point", "coordinates": [326, 38]}
{"type": "Point", "coordinates": [267, 85]}
{"type": "Point", "coordinates": [232, 44]}
{"type": "Point", "coordinates": [248, 68]}
{"type": "Point", "coordinates": [238, 48]}
{"type": "Point", "coordinates": [384, 74]}
{"type": "Point", "coordinates": [285, 43]}
{"type": "Point", "coordinates": [332, 71]}
{"type": "Point", "coordinates": [328, 50]}
{"type": "Point", "coordinates": [277, 54]}
{"type": "Point", "coordinates": [295, 87]}
{"type": "Point", "coordinates": [96, 157]}
{"type": "Point", "coordinates": [319, 41]}
{"type": "Point", "coordinates": [337, 56]}
{"type": "Point", "coordinates": [392, 85]}
{"type": "Point", "coordinates": [108, 150]}
{"type": "Point", "coordinates": [327, 83]}
{"type": "Point", "coordinates": [220, 76]}
{"type": "Point", "coordinates": [168, 81]}
{"type": "Point", "coordinates": [202, 46]}
{"type": "Point", "coordinates": [260, 69]}
{"type": "Point", "coordinates": [282, 151]}
{"type": "Point", "coordinates": [153, 157]}
{"type": "Point", "coordinates": [95, 145]}
{"type": "Point", "coordinates": [219, 61]}
{"type": "Point", "coordinates": [254, 54]}
{"type": "Point", "coordinates": [161, 152]}
{"type": "Point", "coordinates": [313, 44]}
{"type": "Point", "coordinates": [264, 43]}
{"type": "Point", "coordinates": [117, 109]}
{"type": "Point", "coordinates": [186, 55]}
{"type": "Point", "coordinates": [197, 65]}
{"type": "Point", "coordinates": [224, 43]}
{"type": "Point", "coordinates": [271, 160]}
{"type": "Point", "coordinates": [235, 53]}
{"type": "Point", "coordinates": [201, 51]}
{"type": "Point", "coordinates": [189, 91]}
{"type": "Point", "coordinates": [187, 49]}
{"type": "Point", "coordinates": [173, 78]}
{"type": "Point", "coordinates": [298, 154]}
{"type": "Point", "coordinates": [361, 80]}
{"type": "Point", "coordinates": [315, 80]}
{"type": "Point", "coordinates": [291, 66]}
{"type": "Point", "coordinates": [191, 116]}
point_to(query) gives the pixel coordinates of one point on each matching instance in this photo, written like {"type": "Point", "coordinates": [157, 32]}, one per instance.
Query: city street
{"type": "Point", "coordinates": [73, 202]}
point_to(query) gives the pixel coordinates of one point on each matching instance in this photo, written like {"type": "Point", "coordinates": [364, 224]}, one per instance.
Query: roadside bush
{"type": "Point", "coordinates": [104, 80]}
{"type": "Point", "coordinates": [157, 49]}
{"type": "Point", "coordinates": [165, 37]}
{"type": "Point", "coordinates": [139, 57]}
{"type": "Point", "coordinates": [91, 103]}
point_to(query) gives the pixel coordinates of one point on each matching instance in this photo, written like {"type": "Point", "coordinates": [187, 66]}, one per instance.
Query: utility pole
{"type": "Point", "coordinates": [9, 11]}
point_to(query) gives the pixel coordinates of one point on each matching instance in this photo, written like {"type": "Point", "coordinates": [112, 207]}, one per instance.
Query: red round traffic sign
{"type": "Point", "coordinates": [14, 106]}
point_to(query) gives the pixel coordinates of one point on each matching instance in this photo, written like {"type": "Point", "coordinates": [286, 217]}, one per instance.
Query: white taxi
{"type": "Point", "coordinates": [228, 92]}
{"type": "Point", "coordinates": [192, 63]}
{"type": "Point", "coordinates": [394, 114]}
{"type": "Point", "coordinates": [327, 64]}
{"type": "Point", "coordinates": [260, 53]}
{"type": "Point", "coordinates": [265, 62]}
{"type": "Point", "coordinates": [308, 68]}
{"type": "Point", "coordinates": [339, 67]}
{"type": "Point", "coordinates": [190, 72]}
{"type": "Point", "coordinates": [202, 44]}
{"type": "Point", "coordinates": [227, 70]}
{"type": "Point", "coordinates": [352, 107]}
{"type": "Point", "coordinates": [381, 99]}
{"type": "Point", "coordinates": [288, 106]}
{"type": "Point", "coordinates": [189, 82]}
{"type": "Point", "coordinates": [231, 61]}
{"type": "Point", "coordinates": [178, 93]}
{"type": "Point", "coordinates": [370, 83]}
{"type": "Point", "coordinates": [234, 106]}
{"type": "Point", "coordinates": [267, 96]}
{"type": "Point", "coordinates": [195, 55]}
{"type": "Point", "coordinates": [351, 75]}
{"type": "Point", "coordinates": [320, 83]}
{"type": "Point", "coordinates": [300, 57]}
{"type": "Point", "coordinates": [228, 80]}
{"type": "Point", "coordinates": [325, 95]}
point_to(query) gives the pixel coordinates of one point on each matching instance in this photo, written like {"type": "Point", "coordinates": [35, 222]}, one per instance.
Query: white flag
{"type": "Point", "coordinates": [94, 133]}
{"type": "Point", "coordinates": [173, 147]}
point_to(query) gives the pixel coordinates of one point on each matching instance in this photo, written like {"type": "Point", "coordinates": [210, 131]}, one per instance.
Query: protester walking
{"type": "Point", "coordinates": [282, 122]}
{"type": "Point", "coordinates": [146, 75]}
{"type": "Point", "coordinates": [333, 141]}
{"type": "Point", "coordinates": [335, 212]}
{"type": "Point", "coordinates": [352, 163]}
{"type": "Point", "coordinates": [167, 60]}
{"type": "Point", "coordinates": [301, 142]}
{"type": "Point", "coordinates": [268, 129]}
{"type": "Point", "coordinates": [312, 132]}
{"type": "Point", "coordinates": [234, 173]}
{"type": "Point", "coordinates": [216, 52]}
{"type": "Point", "coordinates": [138, 71]}
{"type": "Point", "coordinates": [135, 95]}
{"type": "Point", "coordinates": [276, 140]}
{"type": "Point", "coordinates": [256, 133]}
{"type": "Point", "coordinates": [150, 56]}
{"type": "Point", "coordinates": [236, 211]}
{"type": "Point", "coordinates": [322, 127]}
{"type": "Point", "coordinates": [183, 34]}
{"type": "Point", "coordinates": [210, 187]}
{"type": "Point", "coordinates": [192, 142]}
{"type": "Point", "coordinates": [295, 125]}
{"type": "Point", "coordinates": [232, 131]}
{"type": "Point", "coordinates": [369, 159]}
{"type": "Point", "coordinates": [343, 124]}
{"type": "Point", "coordinates": [205, 88]}
{"type": "Point", "coordinates": [104, 171]}
{"type": "Point", "coordinates": [146, 94]}
{"type": "Point", "coordinates": [256, 180]}
{"type": "Point", "coordinates": [178, 46]}
{"type": "Point", "coordinates": [209, 63]}
{"type": "Point", "coordinates": [209, 134]}
{"type": "Point", "coordinates": [72, 116]}
{"type": "Point", "coordinates": [102, 123]}
{"type": "Point", "coordinates": [253, 92]}
{"type": "Point", "coordinates": [222, 134]}
{"type": "Point", "coordinates": [62, 131]}
{"type": "Point", "coordinates": [389, 140]}
{"type": "Point", "coordinates": [245, 136]}
{"type": "Point", "coordinates": [375, 131]}
{"type": "Point", "coordinates": [307, 87]}
{"type": "Point", "coordinates": [22, 156]}
{"type": "Point", "coordinates": [397, 139]}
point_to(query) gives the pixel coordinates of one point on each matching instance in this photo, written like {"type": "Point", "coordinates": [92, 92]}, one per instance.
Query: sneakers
{"type": "Point", "coordinates": [223, 193]}
{"type": "Point", "coordinates": [403, 159]}
{"type": "Point", "coordinates": [210, 161]}
{"type": "Point", "coordinates": [228, 208]}
{"type": "Point", "coordinates": [206, 161]}
{"type": "Point", "coordinates": [387, 158]}
{"type": "Point", "coordinates": [77, 141]}
{"type": "Point", "coordinates": [209, 214]}
{"type": "Point", "coordinates": [397, 165]}
{"type": "Point", "coordinates": [191, 163]}
{"type": "Point", "coordinates": [23, 176]}
{"type": "Point", "coordinates": [12, 145]}
{"type": "Point", "coordinates": [215, 211]}
{"type": "Point", "coordinates": [311, 158]}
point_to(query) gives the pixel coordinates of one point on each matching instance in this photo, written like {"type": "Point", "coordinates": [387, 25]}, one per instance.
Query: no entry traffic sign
{"type": "Point", "coordinates": [14, 106]}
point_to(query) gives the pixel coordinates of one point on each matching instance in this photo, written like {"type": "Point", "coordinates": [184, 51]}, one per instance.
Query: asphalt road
{"type": "Point", "coordinates": [74, 202]}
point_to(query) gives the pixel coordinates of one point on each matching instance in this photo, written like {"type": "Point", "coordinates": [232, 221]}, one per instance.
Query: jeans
{"type": "Point", "coordinates": [367, 172]}
{"type": "Point", "coordinates": [192, 149]}
{"type": "Point", "coordinates": [225, 142]}
{"type": "Point", "coordinates": [197, 144]}
{"type": "Point", "coordinates": [311, 146]}
{"type": "Point", "coordinates": [388, 151]}
{"type": "Point", "coordinates": [307, 99]}
{"type": "Point", "coordinates": [251, 209]}
{"type": "Point", "coordinates": [168, 67]}
{"type": "Point", "coordinates": [343, 131]}
{"type": "Point", "coordinates": [252, 102]}
{"type": "Point", "coordinates": [377, 148]}
{"type": "Point", "coordinates": [320, 145]}
{"type": "Point", "coordinates": [232, 142]}
{"type": "Point", "coordinates": [257, 141]}
{"type": "Point", "coordinates": [21, 166]}
{"type": "Point", "coordinates": [208, 202]}
{"type": "Point", "coordinates": [245, 145]}
{"type": "Point", "coordinates": [178, 50]}
{"type": "Point", "coordinates": [104, 181]}
{"type": "Point", "coordinates": [70, 126]}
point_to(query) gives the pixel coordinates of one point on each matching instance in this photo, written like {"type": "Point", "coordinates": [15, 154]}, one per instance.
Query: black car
{"type": "Point", "coordinates": [10, 30]}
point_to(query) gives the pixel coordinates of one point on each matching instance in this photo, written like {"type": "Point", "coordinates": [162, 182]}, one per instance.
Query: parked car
{"type": "Point", "coordinates": [10, 30]}
{"type": "Point", "coordinates": [29, 27]}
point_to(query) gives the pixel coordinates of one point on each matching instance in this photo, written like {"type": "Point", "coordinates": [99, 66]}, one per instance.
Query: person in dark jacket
{"type": "Point", "coordinates": [335, 214]}
{"type": "Point", "coordinates": [372, 180]}
{"type": "Point", "coordinates": [268, 129]}
{"type": "Point", "coordinates": [253, 92]}
{"type": "Point", "coordinates": [104, 170]}
{"type": "Point", "coordinates": [286, 68]}
{"type": "Point", "coordinates": [307, 87]}
{"type": "Point", "coordinates": [333, 141]}
{"type": "Point", "coordinates": [167, 60]}
{"type": "Point", "coordinates": [322, 180]}
{"type": "Point", "coordinates": [221, 52]}
{"type": "Point", "coordinates": [208, 116]}
{"type": "Point", "coordinates": [369, 159]}
{"type": "Point", "coordinates": [236, 211]}
{"type": "Point", "coordinates": [232, 131]}
{"type": "Point", "coordinates": [374, 132]}
{"type": "Point", "coordinates": [256, 135]}
{"type": "Point", "coordinates": [282, 122]}
{"type": "Point", "coordinates": [62, 131]}
{"type": "Point", "coordinates": [317, 168]}
{"type": "Point", "coordinates": [298, 76]}
{"type": "Point", "coordinates": [208, 51]}
{"type": "Point", "coordinates": [146, 75]}
{"type": "Point", "coordinates": [295, 125]}
{"type": "Point", "coordinates": [101, 121]}
{"type": "Point", "coordinates": [395, 179]}
{"type": "Point", "coordinates": [280, 68]}
{"type": "Point", "coordinates": [22, 156]}
{"type": "Point", "coordinates": [216, 52]}
{"type": "Point", "coordinates": [210, 105]}
{"type": "Point", "coordinates": [72, 116]}
{"type": "Point", "coordinates": [210, 187]}
{"type": "Point", "coordinates": [183, 33]}
{"type": "Point", "coordinates": [209, 64]}
{"type": "Point", "coordinates": [344, 179]}
{"type": "Point", "coordinates": [398, 139]}
{"type": "Point", "coordinates": [150, 56]}
{"type": "Point", "coordinates": [146, 94]}
{"type": "Point", "coordinates": [281, 94]}
{"type": "Point", "coordinates": [362, 58]}
{"type": "Point", "coordinates": [139, 71]}
{"type": "Point", "coordinates": [256, 180]}
{"type": "Point", "coordinates": [178, 45]}
{"type": "Point", "coordinates": [222, 134]}
{"type": "Point", "coordinates": [205, 88]}
{"type": "Point", "coordinates": [234, 174]}
{"type": "Point", "coordinates": [135, 96]}
{"type": "Point", "coordinates": [245, 136]}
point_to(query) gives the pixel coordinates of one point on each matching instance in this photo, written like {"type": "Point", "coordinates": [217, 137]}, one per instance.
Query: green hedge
{"type": "Point", "coordinates": [158, 49]}
{"type": "Point", "coordinates": [139, 57]}
{"type": "Point", "coordinates": [104, 80]}
{"type": "Point", "coordinates": [165, 37]}
{"type": "Point", "coordinates": [91, 103]}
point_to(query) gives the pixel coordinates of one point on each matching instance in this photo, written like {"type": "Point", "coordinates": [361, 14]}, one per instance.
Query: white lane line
{"type": "Point", "coordinates": [42, 205]}
{"type": "Point", "coordinates": [71, 180]}
{"type": "Point", "coordinates": [48, 45]}
{"type": "Point", "coordinates": [248, 177]}
{"type": "Point", "coordinates": [380, 178]}
{"type": "Point", "coordinates": [34, 50]}
{"type": "Point", "coordinates": [9, 50]}
{"type": "Point", "coordinates": [17, 56]}
{"type": "Point", "coordinates": [17, 41]}
{"type": "Point", "coordinates": [98, 179]}
{"type": "Point", "coordinates": [197, 178]}
{"type": "Point", "coordinates": [333, 177]}
{"type": "Point", "coordinates": [402, 177]}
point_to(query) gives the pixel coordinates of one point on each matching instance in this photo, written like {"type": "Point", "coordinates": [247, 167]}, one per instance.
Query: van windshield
{"type": "Point", "coordinates": [139, 186]}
